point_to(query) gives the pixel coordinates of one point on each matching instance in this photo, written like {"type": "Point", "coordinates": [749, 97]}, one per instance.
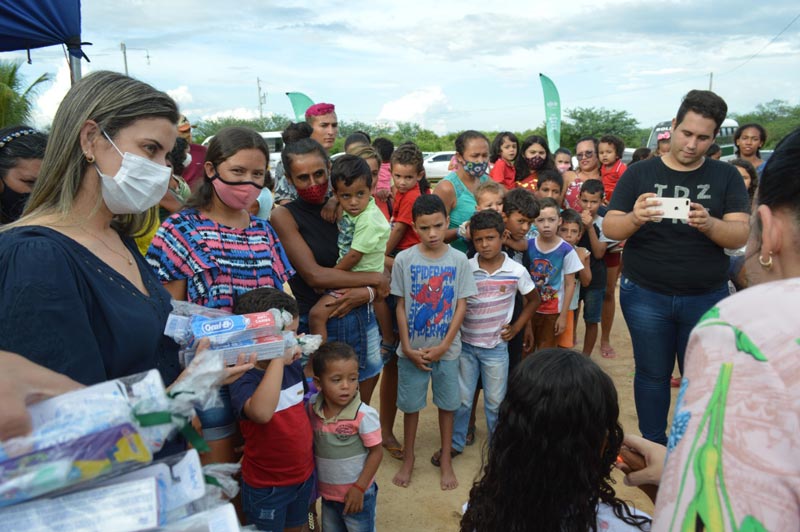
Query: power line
{"type": "Point", "coordinates": [765, 46]}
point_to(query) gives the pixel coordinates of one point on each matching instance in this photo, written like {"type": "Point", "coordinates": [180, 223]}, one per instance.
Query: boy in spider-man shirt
{"type": "Point", "coordinates": [431, 281]}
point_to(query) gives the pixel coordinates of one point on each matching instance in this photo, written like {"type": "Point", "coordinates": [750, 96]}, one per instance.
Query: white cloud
{"type": "Point", "coordinates": [239, 112]}
{"type": "Point", "coordinates": [47, 103]}
{"type": "Point", "coordinates": [415, 106]}
{"type": "Point", "coordinates": [181, 95]}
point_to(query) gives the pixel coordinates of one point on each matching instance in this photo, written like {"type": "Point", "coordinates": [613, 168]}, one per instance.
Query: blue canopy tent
{"type": "Point", "coordinates": [28, 24]}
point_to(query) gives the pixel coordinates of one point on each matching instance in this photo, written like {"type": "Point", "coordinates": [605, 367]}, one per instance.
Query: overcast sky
{"type": "Point", "coordinates": [449, 65]}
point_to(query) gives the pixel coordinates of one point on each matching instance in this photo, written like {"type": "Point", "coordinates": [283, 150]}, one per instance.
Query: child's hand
{"type": "Point", "coordinates": [507, 332]}
{"type": "Point", "coordinates": [292, 354]}
{"type": "Point", "coordinates": [561, 324]}
{"type": "Point", "coordinates": [433, 354]}
{"type": "Point", "coordinates": [353, 501]}
{"type": "Point", "coordinates": [244, 363]}
{"type": "Point", "coordinates": [383, 194]}
{"type": "Point", "coordinates": [586, 218]}
{"type": "Point", "coordinates": [463, 231]}
{"type": "Point", "coordinates": [527, 339]}
{"type": "Point", "coordinates": [418, 358]}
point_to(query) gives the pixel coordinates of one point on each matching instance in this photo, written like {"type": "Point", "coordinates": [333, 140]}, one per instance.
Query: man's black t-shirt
{"type": "Point", "coordinates": [670, 256]}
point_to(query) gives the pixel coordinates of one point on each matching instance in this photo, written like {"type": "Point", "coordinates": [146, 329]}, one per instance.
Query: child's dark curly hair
{"type": "Point", "coordinates": [553, 450]}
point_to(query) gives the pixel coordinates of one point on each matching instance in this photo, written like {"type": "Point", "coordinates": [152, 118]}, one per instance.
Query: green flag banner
{"type": "Point", "coordinates": [300, 102]}
{"type": "Point", "coordinates": [552, 112]}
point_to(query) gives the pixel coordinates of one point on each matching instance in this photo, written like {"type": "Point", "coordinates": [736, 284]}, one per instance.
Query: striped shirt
{"type": "Point", "coordinates": [218, 262]}
{"type": "Point", "coordinates": [493, 306]}
{"type": "Point", "coordinates": [340, 445]}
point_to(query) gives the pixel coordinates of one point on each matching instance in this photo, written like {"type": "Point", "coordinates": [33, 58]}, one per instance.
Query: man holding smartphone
{"type": "Point", "coordinates": [675, 267]}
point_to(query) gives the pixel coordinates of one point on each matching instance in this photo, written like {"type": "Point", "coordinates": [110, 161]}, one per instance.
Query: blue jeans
{"type": "Point", "coordinates": [358, 329]}
{"type": "Point", "coordinates": [491, 365]}
{"type": "Point", "coordinates": [659, 325]}
{"type": "Point", "coordinates": [335, 520]}
{"type": "Point", "coordinates": [218, 422]}
{"type": "Point", "coordinates": [277, 507]}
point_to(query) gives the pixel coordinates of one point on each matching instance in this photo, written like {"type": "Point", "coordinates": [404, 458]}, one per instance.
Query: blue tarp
{"type": "Point", "coordinates": [27, 24]}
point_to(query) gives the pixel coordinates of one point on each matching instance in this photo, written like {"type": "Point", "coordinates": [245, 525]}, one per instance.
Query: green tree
{"type": "Point", "coordinates": [207, 128]}
{"type": "Point", "coordinates": [16, 103]}
{"type": "Point", "coordinates": [777, 116]}
{"type": "Point", "coordinates": [586, 121]}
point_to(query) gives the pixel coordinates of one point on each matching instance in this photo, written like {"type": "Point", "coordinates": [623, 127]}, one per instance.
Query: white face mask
{"type": "Point", "coordinates": [139, 184]}
{"type": "Point", "coordinates": [187, 160]}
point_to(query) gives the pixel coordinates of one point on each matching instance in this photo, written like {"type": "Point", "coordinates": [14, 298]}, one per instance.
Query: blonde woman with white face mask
{"type": "Point", "coordinates": [75, 295]}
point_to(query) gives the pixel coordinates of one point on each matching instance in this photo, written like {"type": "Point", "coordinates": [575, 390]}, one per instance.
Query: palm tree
{"type": "Point", "coordinates": [15, 103]}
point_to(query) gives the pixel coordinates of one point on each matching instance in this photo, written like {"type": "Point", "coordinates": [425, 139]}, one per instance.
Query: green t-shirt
{"type": "Point", "coordinates": [367, 233]}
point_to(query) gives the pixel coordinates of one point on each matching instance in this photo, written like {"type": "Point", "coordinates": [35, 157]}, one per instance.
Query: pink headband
{"type": "Point", "coordinates": [319, 109]}
{"type": "Point", "coordinates": [663, 136]}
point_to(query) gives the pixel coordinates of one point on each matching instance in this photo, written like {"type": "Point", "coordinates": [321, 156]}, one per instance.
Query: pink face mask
{"type": "Point", "coordinates": [236, 195]}
{"type": "Point", "coordinates": [563, 167]}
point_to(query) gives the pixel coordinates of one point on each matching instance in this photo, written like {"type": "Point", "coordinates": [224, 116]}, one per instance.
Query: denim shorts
{"type": "Point", "coordinates": [412, 385]}
{"type": "Point", "coordinates": [277, 507]}
{"type": "Point", "coordinates": [592, 303]}
{"type": "Point", "coordinates": [335, 520]}
{"type": "Point", "coordinates": [218, 422]}
{"type": "Point", "coordinates": [358, 329]}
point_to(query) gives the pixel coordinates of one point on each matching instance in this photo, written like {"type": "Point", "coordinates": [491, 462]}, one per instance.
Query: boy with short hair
{"type": "Point", "coordinates": [552, 261]}
{"type": "Point", "coordinates": [550, 184]}
{"type": "Point", "coordinates": [610, 150]}
{"type": "Point", "coordinates": [488, 323]}
{"type": "Point", "coordinates": [407, 171]}
{"type": "Point", "coordinates": [278, 457]}
{"type": "Point", "coordinates": [363, 234]}
{"type": "Point", "coordinates": [593, 239]}
{"type": "Point", "coordinates": [432, 282]}
{"type": "Point", "coordinates": [520, 209]}
{"type": "Point", "coordinates": [571, 230]}
{"type": "Point", "coordinates": [347, 441]}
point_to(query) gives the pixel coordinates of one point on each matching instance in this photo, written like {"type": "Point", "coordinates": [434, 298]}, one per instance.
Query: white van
{"type": "Point", "coordinates": [274, 143]}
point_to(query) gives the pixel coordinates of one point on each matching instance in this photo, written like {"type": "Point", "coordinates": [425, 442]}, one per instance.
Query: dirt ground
{"type": "Point", "coordinates": [424, 507]}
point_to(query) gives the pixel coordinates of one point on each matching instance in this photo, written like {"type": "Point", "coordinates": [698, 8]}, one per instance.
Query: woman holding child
{"type": "Point", "coordinates": [311, 245]}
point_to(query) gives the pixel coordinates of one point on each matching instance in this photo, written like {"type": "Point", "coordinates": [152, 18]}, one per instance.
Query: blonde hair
{"type": "Point", "coordinates": [114, 102]}
{"type": "Point", "coordinates": [367, 152]}
{"type": "Point", "coordinates": [490, 187]}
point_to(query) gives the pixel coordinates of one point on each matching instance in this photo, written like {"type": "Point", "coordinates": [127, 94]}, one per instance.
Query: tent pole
{"type": "Point", "coordinates": [74, 68]}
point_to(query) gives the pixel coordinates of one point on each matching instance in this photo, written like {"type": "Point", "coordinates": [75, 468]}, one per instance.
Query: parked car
{"type": "Point", "coordinates": [436, 165]}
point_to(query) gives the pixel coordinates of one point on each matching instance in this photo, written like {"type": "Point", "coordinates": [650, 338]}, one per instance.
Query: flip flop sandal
{"type": "Point", "coordinates": [436, 458]}
{"type": "Point", "coordinates": [395, 452]}
{"type": "Point", "coordinates": [470, 440]}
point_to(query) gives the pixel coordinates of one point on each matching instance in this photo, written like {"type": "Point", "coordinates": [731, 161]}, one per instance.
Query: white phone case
{"type": "Point", "coordinates": [677, 208]}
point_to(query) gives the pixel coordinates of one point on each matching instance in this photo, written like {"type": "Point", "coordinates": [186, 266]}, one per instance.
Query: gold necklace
{"type": "Point", "coordinates": [117, 253]}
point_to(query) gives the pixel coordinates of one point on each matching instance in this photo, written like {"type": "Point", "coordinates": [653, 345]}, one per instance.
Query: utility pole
{"type": "Point", "coordinates": [124, 56]}
{"type": "Point", "coordinates": [710, 80]}
{"type": "Point", "coordinates": [262, 99]}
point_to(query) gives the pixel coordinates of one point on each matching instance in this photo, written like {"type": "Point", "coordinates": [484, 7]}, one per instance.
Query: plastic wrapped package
{"type": "Point", "coordinates": [178, 325]}
{"type": "Point", "coordinates": [109, 428]}
{"type": "Point", "coordinates": [265, 347]}
{"type": "Point", "coordinates": [181, 478]}
{"type": "Point", "coordinates": [82, 435]}
{"type": "Point", "coordinates": [238, 328]}
{"type": "Point", "coordinates": [124, 507]}
{"type": "Point", "coordinates": [219, 519]}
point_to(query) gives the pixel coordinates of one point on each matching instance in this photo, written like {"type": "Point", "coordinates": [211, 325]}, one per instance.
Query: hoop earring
{"type": "Point", "coordinates": [89, 158]}
{"type": "Point", "coordinates": [766, 264]}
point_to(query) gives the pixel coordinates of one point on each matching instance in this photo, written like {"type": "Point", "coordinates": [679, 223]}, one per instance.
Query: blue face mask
{"type": "Point", "coordinates": [476, 170]}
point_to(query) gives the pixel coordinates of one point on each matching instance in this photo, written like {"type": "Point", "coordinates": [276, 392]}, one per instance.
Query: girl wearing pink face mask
{"type": "Point", "coordinates": [214, 250]}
